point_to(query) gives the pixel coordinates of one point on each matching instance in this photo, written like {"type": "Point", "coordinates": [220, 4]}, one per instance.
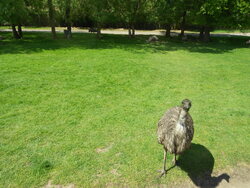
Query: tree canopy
{"type": "Point", "coordinates": [131, 14]}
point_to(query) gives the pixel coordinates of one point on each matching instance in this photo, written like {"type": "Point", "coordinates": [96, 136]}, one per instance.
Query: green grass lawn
{"type": "Point", "coordinates": [231, 31]}
{"type": "Point", "coordinates": [85, 111]}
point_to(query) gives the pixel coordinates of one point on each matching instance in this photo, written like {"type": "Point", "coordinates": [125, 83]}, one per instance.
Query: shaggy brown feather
{"type": "Point", "coordinates": [175, 130]}
{"type": "Point", "coordinates": [174, 141]}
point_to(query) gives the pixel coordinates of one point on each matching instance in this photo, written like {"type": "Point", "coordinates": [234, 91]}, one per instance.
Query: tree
{"type": "Point", "coordinates": [14, 12]}
{"type": "Point", "coordinates": [129, 11]}
{"type": "Point", "coordinates": [68, 15]}
{"type": "Point", "coordinates": [65, 13]}
{"type": "Point", "coordinates": [166, 14]}
{"type": "Point", "coordinates": [37, 14]}
{"type": "Point", "coordinates": [52, 20]}
{"type": "Point", "coordinates": [182, 10]}
{"type": "Point", "coordinates": [208, 15]}
{"type": "Point", "coordinates": [236, 14]}
{"type": "Point", "coordinates": [99, 12]}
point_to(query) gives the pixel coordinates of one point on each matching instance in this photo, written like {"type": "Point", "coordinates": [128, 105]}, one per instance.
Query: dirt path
{"type": "Point", "coordinates": [237, 177]}
{"type": "Point", "coordinates": [137, 32]}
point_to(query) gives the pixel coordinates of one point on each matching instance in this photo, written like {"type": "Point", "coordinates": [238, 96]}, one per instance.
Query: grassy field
{"type": "Point", "coordinates": [84, 111]}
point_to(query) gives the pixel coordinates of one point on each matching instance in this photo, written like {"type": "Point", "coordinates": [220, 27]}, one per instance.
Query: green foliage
{"type": "Point", "coordinates": [13, 11]}
{"type": "Point", "coordinates": [99, 11]}
{"type": "Point", "coordinates": [37, 12]}
{"type": "Point", "coordinates": [130, 13]}
{"type": "Point", "coordinates": [166, 11]}
{"type": "Point", "coordinates": [241, 13]}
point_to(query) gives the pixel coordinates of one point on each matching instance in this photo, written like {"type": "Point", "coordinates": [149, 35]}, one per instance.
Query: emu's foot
{"type": "Point", "coordinates": [162, 173]}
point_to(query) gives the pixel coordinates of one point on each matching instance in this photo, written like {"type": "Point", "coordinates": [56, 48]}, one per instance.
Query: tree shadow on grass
{"type": "Point", "coordinates": [198, 162]}
{"type": "Point", "coordinates": [37, 42]}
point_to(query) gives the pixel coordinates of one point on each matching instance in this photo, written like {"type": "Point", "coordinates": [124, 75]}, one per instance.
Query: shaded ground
{"type": "Point", "coordinates": [237, 177]}
{"type": "Point", "coordinates": [202, 174]}
{"type": "Point", "coordinates": [137, 32]}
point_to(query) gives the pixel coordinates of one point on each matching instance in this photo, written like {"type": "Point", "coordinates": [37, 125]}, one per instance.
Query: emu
{"type": "Point", "coordinates": [153, 39]}
{"type": "Point", "coordinates": [175, 131]}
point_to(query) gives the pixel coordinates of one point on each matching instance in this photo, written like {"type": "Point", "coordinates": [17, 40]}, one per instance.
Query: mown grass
{"type": "Point", "coordinates": [231, 31]}
{"type": "Point", "coordinates": [63, 101]}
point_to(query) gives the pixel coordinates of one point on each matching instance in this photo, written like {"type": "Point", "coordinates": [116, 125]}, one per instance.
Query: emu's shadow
{"type": "Point", "coordinates": [198, 162]}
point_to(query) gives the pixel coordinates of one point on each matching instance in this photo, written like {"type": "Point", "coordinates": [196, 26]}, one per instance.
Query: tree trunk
{"type": "Point", "coordinates": [52, 18]}
{"type": "Point", "coordinates": [133, 30]}
{"type": "Point", "coordinates": [20, 32]}
{"type": "Point", "coordinates": [129, 31]}
{"type": "Point", "coordinates": [68, 19]}
{"type": "Point", "coordinates": [98, 33]}
{"type": "Point", "coordinates": [207, 34]}
{"type": "Point", "coordinates": [69, 32]}
{"type": "Point", "coordinates": [15, 34]}
{"type": "Point", "coordinates": [69, 28]}
{"type": "Point", "coordinates": [201, 36]}
{"type": "Point", "coordinates": [168, 29]}
{"type": "Point", "coordinates": [183, 23]}
{"type": "Point", "coordinates": [53, 31]}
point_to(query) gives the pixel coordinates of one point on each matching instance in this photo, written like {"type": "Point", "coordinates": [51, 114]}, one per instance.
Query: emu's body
{"type": "Point", "coordinates": [175, 130]}
{"type": "Point", "coordinates": [153, 39]}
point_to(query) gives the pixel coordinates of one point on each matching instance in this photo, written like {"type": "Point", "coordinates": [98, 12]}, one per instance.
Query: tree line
{"type": "Point", "coordinates": [202, 15]}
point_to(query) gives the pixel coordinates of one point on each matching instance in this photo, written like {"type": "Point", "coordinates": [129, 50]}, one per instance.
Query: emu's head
{"type": "Point", "coordinates": [186, 104]}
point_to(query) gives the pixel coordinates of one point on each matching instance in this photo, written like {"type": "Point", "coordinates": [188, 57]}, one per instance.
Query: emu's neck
{"type": "Point", "coordinates": [182, 116]}
{"type": "Point", "coordinates": [180, 126]}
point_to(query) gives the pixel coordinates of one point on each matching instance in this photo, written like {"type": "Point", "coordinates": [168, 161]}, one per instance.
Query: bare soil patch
{"type": "Point", "coordinates": [237, 177]}
{"type": "Point", "coordinates": [50, 185]}
{"type": "Point", "coordinates": [104, 149]}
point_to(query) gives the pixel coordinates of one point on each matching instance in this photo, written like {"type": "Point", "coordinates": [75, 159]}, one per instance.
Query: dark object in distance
{"type": "Point", "coordinates": [92, 30]}
{"type": "Point", "coordinates": [153, 39]}
{"type": "Point", "coordinates": [67, 34]}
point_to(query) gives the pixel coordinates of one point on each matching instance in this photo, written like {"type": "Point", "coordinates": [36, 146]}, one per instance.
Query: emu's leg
{"type": "Point", "coordinates": [174, 160]}
{"type": "Point", "coordinates": [163, 172]}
